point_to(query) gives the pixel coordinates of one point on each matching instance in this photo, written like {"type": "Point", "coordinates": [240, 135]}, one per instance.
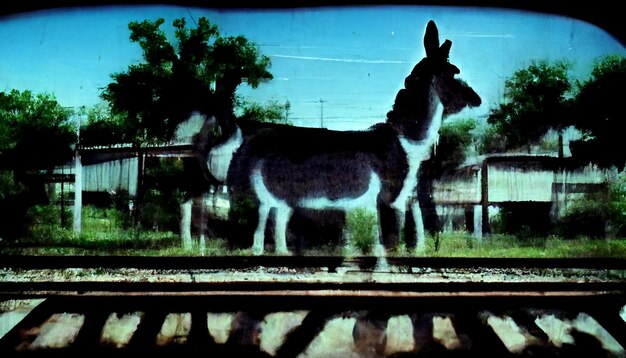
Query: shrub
{"type": "Point", "coordinates": [598, 214]}
{"type": "Point", "coordinates": [159, 211]}
{"type": "Point", "coordinates": [523, 219]}
{"type": "Point", "coordinates": [584, 217]}
{"type": "Point", "coordinates": [44, 223]}
{"type": "Point", "coordinates": [360, 229]}
{"type": "Point", "coordinates": [617, 206]}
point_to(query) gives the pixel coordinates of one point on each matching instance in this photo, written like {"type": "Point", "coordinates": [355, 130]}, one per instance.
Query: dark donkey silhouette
{"type": "Point", "coordinates": [285, 167]}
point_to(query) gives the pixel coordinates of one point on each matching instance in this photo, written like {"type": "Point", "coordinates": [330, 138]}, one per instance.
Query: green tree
{"type": "Point", "coordinates": [199, 70]}
{"type": "Point", "coordinates": [492, 139]}
{"type": "Point", "coordinates": [36, 132]}
{"type": "Point", "coordinates": [196, 70]}
{"type": "Point", "coordinates": [599, 113]}
{"type": "Point", "coordinates": [271, 112]}
{"type": "Point", "coordinates": [455, 140]}
{"type": "Point", "coordinates": [36, 135]}
{"type": "Point", "coordinates": [536, 100]}
{"type": "Point", "coordinates": [102, 128]}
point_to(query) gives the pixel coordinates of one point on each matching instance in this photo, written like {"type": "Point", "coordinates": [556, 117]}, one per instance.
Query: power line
{"type": "Point", "coordinates": [192, 18]}
{"type": "Point", "coordinates": [355, 118]}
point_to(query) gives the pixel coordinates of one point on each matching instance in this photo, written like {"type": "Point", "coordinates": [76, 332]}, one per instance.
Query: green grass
{"type": "Point", "coordinates": [454, 244]}
{"type": "Point", "coordinates": [360, 232]}
{"type": "Point", "coordinates": [461, 244]}
{"type": "Point", "coordinates": [107, 232]}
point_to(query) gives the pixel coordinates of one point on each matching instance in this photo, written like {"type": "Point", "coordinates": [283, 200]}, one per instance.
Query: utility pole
{"type": "Point", "coordinates": [322, 113]}
{"type": "Point", "coordinates": [287, 108]}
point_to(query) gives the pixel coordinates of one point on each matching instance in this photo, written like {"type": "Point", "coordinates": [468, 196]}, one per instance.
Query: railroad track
{"type": "Point", "coordinates": [314, 314]}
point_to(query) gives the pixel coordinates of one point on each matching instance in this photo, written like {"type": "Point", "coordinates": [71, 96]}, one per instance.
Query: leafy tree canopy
{"type": "Point", "coordinates": [35, 131]}
{"type": "Point", "coordinates": [272, 112]}
{"type": "Point", "coordinates": [102, 128]}
{"type": "Point", "coordinates": [607, 66]}
{"type": "Point", "coordinates": [599, 113]}
{"type": "Point", "coordinates": [537, 99]}
{"type": "Point", "coordinates": [36, 135]}
{"type": "Point", "coordinates": [455, 139]}
{"type": "Point", "coordinates": [199, 70]}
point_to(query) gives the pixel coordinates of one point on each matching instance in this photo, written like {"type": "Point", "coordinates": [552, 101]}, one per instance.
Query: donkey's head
{"type": "Point", "coordinates": [431, 82]}
{"type": "Point", "coordinates": [453, 93]}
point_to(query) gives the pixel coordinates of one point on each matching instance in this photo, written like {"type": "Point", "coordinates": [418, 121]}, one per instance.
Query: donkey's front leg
{"type": "Point", "coordinates": [400, 209]}
{"type": "Point", "coordinates": [259, 233]}
{"type": "Point", "coordinates": [185, 223]}
{"type": "Point", "coordinates": [420, 236]}
{"type": "Point", "coordinates": [400, 223]}
{"type": "Point", "coordinates": [283, 214]}
{"type": "Point", "coordinates": [379, 250]}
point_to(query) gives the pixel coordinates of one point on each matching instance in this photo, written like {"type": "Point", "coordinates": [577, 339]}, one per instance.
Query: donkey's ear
{"type": "Point", "coordinates": [431, 39]}
{"type": "Point", "coordinates": [445, 48]}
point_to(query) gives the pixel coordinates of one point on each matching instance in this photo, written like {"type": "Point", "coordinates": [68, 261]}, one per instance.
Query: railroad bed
{"type": "Point", "coordinates": [553, 309]}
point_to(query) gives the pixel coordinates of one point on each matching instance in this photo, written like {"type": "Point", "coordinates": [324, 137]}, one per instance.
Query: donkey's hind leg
{"type": "Point", "coordinates": [259, 233]}
{"type": "Point", "coordinates": [378, 249]}
{"type": "Point", "coordinates": [420, 235]}
{"type": "Point", "coordinates": [283, 214]}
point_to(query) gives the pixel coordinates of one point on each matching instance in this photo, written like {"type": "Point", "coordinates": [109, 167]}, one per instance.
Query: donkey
{"type": "Point", "coordinates": [284, 167]}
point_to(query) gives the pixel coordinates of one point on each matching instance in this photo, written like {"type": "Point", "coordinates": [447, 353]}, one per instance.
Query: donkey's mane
{"type": "Point", "coordinates": [416, 85]}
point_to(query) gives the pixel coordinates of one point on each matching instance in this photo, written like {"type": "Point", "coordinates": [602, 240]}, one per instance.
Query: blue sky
{"type": "Point", "coordinates": [354, 59]}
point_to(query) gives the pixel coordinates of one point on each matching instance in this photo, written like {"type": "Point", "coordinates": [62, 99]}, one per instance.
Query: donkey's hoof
{"type": "Point", "coordinates": [419, 250]}
{"type": "Point", "coordinates": [283, 252]}
{"type": "Point", "coordinates": [382, 265]}
{"type": "Point", "coordinates": [378, 250]}
{"type": "Point", "coordinates": [256, 251]}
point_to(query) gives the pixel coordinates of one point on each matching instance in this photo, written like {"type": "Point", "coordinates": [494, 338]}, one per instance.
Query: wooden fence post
{"type": "Point", "coordinates": [484, 195]}
{"type": "Point", "coordinates": [78, 192]}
